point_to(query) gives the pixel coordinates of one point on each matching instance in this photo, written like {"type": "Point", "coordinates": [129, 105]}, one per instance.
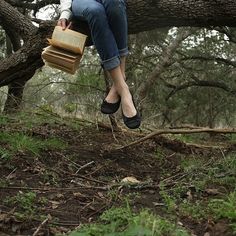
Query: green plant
{"type": "Point", "coordinates": [224, 208]}
{"type": "Point", "coordinates": [25, 201]}
{"type": "Point", "coordinates": [196, 210]}
{"type": "Point", "coordinates": [124, 222]}
{"type": "Point", "coordinates": [26, 205]}
{"type": "Point", "coordinates": [167, 199]}
{"type": "Point", "coordinates": [160, 156]}
{"type": "Point", "coordinates": [20, 142]}
{"type": "Point", "coordinates": [5, 155]}
{"type": "Point", "coordinates": [70, 107]}
{"type": "Point", "coordinates": [4, 120]}
{"type": "Point", "coordinates": [53, 143]}
{"type": "Point", "coordinates": [232, 137]}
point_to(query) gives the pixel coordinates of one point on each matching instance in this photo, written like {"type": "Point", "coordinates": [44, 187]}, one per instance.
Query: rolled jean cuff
{"type": "Point", "coordinates": [111, 63]}
{"type": "Point", "coordinates": [123, 52]}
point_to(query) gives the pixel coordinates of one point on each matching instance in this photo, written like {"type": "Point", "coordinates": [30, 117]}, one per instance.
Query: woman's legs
{"type": "Point", "coordinates": [93, 11]}
{"type": "Point", "coordinates": [113, 96]}
{"type": "Point", "coordinates": [120, 89]}
{"type": "Point", "coordinates": [117, 19]}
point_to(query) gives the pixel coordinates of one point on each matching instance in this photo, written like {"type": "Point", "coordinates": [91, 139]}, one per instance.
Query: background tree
{"type": "Point", "coordinates": [166, 67]}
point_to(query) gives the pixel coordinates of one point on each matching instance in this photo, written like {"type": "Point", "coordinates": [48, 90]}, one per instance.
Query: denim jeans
{"type": "Point", "coordinates": [108, 24]}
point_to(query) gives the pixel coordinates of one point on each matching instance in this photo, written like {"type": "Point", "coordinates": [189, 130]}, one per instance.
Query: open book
{"type": "Point", "coordinates": [65, 50]}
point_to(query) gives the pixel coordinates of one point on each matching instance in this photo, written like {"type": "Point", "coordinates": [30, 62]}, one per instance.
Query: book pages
{"type": "Point", "coordinates": [65, 50]}
{"type": "Point", "coordinates": [69, 39]}
{"type": "Point", "coordinates": [59, 67]}
{"type": "Point", "coordinates": [60, 52]}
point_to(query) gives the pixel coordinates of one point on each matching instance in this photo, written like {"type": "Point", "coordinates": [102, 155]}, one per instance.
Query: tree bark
{"type": "Point", "coordinates": [14, 96]}
{"type": "Point", "coordinates": [11, 18]}
{"type": "Point", "coordinates": [143, 15]}
{"type": "Point", "coordinates": [150, 14]}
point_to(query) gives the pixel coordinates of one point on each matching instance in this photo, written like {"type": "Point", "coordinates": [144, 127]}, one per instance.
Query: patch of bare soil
{"type": "Point", "coordinates": [75, 185]}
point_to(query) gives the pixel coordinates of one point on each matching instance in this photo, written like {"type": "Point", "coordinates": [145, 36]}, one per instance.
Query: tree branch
{"type": "Point", "coordinates": [211, 58]}
{"type": "Point", "coordinates": [165, 61]}
{"type": "Point", "coordinates": [11, 18]}
{"type": "Point", "coordinates": [200, 83]}
{"type": "Point", "coordinates": [177, 131]}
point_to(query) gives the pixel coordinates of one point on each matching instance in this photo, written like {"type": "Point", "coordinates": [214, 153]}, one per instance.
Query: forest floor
{"type": "Point", "coordinates": [58, 175]}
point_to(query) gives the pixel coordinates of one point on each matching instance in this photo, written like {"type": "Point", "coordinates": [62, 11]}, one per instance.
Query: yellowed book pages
{"type": "Point", "coordinates": [68, 39]}
{"type": "Point", "coordinates": [60, 52]}
{"type": "Point", "coordinates": [50, 64]}
{"type": "Point", "coordinates": [62, 57]}
{"type": "Point", "coordinates": [61, 62]}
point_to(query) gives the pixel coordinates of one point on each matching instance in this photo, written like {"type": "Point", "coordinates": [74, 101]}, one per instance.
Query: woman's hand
{"type": "Point", "coordinates": [64, 23]}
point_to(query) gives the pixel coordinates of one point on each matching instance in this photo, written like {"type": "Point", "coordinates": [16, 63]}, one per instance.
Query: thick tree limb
{"type": "Point", "coordinates": [15, 21]}
{"type": "Point", "coordinates": [143, 15]}
{"type": "Point", "coordinates": [149, 14]}
{"type": "Point", "coordinates": [32, 6]}
{"type": "Point", "coordinates": [26, 60]}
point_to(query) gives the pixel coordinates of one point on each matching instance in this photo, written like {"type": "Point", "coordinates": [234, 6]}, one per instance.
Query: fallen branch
{"type": "Point", "coordinates": [177, 131]}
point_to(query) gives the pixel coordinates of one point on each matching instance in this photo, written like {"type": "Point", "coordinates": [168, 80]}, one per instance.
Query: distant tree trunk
{"type": "Point", "coordinates": [16, 88]}
{"type": "Point", "coordinates": [14, 97]}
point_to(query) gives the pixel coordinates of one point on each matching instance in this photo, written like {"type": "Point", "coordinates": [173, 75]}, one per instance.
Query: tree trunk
{"type": "Point", "coordinates": [14, 97]}
{"type": "Point", "coordinates": [16, 88]}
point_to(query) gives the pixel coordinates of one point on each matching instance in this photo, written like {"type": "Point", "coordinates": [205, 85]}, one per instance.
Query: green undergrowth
{"type": "Point", "coordinates": [124, 222]}
{"type": "Point", "coordinates": [4, 120]}
{"type": "Point", "coordinates": [189, 138]}
{"type": "Point", "coordinates": [204, 189]}
{"type": "Point", "coordinates": [26, 205]}
{"type": "Point", "coordinates": [12, 143]}
{"type": "Point", "coordinates": [216, 209]}
{"type": "Point", "coordinates": [40, 117]}
{"type": "Point", "coordinates": [232, 137]}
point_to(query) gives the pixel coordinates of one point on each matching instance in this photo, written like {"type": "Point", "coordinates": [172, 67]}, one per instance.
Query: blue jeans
{"type": "Point", "coordinates": [109, 29]}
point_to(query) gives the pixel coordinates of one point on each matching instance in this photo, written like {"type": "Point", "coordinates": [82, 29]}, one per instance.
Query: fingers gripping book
{"type": "Point", "coordinates": [65, 50]}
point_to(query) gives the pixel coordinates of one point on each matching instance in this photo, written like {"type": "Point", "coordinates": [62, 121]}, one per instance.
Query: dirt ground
{"type": "Point", "coordinates": [75, 185]}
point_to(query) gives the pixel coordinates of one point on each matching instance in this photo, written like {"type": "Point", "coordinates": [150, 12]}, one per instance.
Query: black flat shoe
{"type": "Point", "coordinates": [132, 122]}
{"type": "Point", "coordinates": [110, 108]}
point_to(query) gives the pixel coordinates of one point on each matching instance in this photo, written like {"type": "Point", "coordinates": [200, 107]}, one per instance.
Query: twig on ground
{"type": "Point", "coordinates": [11, 173]}
{"type": "Point", "coordinates": [98, 211]}
{"type": "Point", "coordinates": [41, 225]}
{"type": "Point", "coordinates": [54, 189]}
{"type": "Point", "coordinates": [90, 174]}
{"type": "Point", "coordinates": [84, 166]}
{"type": "Point", "coordinates": [82, 186]}
{"type": "Point", "coordinates": [74, 163]}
